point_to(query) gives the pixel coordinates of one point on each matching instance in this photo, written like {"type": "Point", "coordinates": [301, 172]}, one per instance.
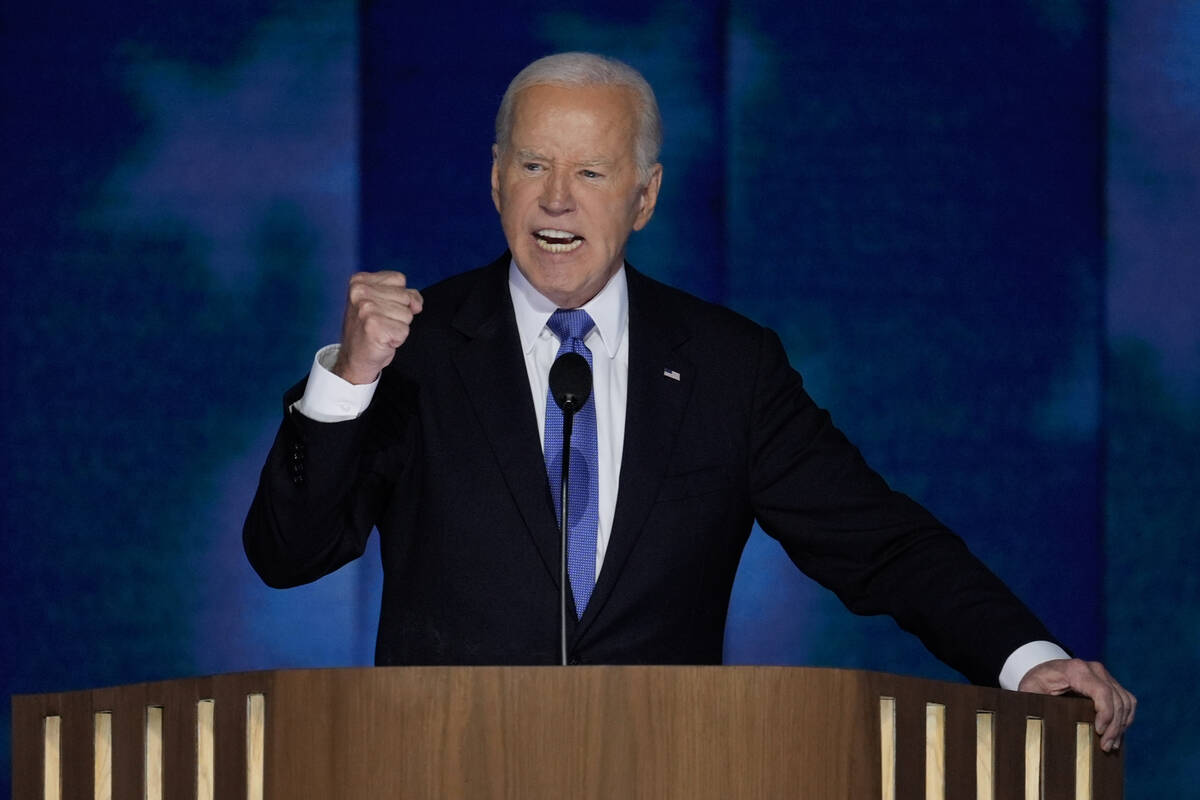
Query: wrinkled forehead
{"type": "Point", "coordinates": [588, 117]}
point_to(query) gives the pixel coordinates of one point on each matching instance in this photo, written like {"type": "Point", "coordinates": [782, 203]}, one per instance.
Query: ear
{"type": "Point", "coordinates": [496, 176]}
{"type": "Point", "coordinates": [648, 198]}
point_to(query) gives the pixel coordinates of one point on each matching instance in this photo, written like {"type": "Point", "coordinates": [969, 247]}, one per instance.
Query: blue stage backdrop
{"type": "Point", "coordinates": [973, 227]}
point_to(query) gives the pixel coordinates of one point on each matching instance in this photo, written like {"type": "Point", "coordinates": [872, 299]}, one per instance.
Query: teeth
{"type": "Point", "coordinates": [556, 241]}
{"type": "Point", "coordinates": [551, 233]}
{"type": "Point", "coordinates": [552, 247]}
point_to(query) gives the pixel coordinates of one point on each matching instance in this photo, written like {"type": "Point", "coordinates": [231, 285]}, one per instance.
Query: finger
{"type": "Point", "coordinates": [384, 282]}
{"type": "Point", "coordinates": [1084, 679]}
{"type": "Point", "coordinates": [1132, 707]}
{"type": "Point", "coordinates": [1128, 702]}
{"type": "Point", "coordinates": [383, 277]}
{"type": "Point", "coordinates": [1128, 705]}
{"type": "Point", "coordinates": [396, 305]}
{"type": "Point", "coordinates": [1104, 701]}
{"type": "Point", "coordinates": [379, 286]}
{"type": "Point", "coordinates": [1110, 702]}
{"type": "Point", "coordinates": [379, 327]}
{"type": "Point", "coordinates": [396, 298]}
{"type": "Point", "coordinates": [396, 309]}
{"type": "Point", "coordinates": [1122, 702]}
{"type": "Point", "coordinates": [368, 285]}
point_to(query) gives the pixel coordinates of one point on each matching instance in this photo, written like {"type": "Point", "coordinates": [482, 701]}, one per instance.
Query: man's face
{"type": "Point", "coordinates": [567, 188]}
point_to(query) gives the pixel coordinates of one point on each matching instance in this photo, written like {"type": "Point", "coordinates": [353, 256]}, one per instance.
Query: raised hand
{"type": "Point", "coordinates": [379, 310]}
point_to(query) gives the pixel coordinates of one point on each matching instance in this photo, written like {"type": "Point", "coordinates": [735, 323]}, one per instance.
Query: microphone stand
{"type": "Point", "coordinates": [570, 385]}
{"type": "Point", "coordinates": [568, 425]}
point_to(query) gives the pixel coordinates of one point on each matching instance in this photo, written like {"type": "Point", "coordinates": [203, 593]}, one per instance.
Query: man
{"type": "Point", "coordinates": [431, 421]}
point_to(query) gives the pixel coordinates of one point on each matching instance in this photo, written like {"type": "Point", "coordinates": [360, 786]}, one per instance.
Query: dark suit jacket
{"type": "Point", "coordinates": [446, 462]}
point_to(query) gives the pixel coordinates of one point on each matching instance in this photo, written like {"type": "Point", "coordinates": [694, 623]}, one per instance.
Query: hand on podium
{"type": "Point", "coordinates": [1115, 705]}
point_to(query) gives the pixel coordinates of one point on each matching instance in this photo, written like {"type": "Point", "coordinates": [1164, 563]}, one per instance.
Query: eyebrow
{"type": "Point", "coordinates": [533, 155]}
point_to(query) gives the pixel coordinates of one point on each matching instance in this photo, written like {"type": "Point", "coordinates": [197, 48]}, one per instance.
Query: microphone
{"type": "Point", "coordinates": [570, 385]}
{"type": "Point", "coordinates": [570, 382]}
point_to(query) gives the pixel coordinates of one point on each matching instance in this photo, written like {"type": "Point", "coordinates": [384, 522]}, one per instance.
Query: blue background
{"type": "Point", "coordinates": [974, 228]}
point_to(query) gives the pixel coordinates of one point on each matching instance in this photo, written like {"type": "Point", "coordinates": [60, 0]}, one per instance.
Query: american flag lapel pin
{"type": "Point", "coordinates": [670, 373]}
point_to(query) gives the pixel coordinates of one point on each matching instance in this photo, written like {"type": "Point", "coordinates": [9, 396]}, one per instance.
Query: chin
{"type": "Point", "coordinates": [555, 282]}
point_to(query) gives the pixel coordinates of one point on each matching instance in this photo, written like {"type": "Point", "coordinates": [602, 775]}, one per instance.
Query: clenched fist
{"type": "Point", "coordinates": [379, 310]}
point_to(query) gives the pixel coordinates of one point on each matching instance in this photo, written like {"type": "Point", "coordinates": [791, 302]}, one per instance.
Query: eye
{"type": "Point", "coordinates": [531, 166]}
{"type": "Point", "coordinates": [589, 173]}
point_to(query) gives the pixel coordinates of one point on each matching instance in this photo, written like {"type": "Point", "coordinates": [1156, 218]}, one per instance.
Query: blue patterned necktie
{"type": "Point", "coordinates": [583, 491]}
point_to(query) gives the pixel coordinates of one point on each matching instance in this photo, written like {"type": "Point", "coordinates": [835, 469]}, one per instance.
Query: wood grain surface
{"type": "Point", "coordinates": [580, 732]}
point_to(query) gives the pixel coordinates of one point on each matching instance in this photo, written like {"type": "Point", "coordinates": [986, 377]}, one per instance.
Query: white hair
{"type": "Point", "coordinates": [589, 69]}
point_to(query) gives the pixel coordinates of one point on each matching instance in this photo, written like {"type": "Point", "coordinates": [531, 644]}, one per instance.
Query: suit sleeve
{"type": "Point", "coordinates": [877, 549]}
{"type": "Point", "coordinates": [324, 486]}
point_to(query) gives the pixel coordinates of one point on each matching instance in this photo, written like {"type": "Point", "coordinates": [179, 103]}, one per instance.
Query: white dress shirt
{"type": "Point", "coordinates": [609, 343]}
{"type": "Point", "coordinates": [328, 398]}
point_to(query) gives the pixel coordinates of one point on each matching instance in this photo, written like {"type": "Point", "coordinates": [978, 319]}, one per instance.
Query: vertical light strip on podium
{"type": "Point", "coordinates": [887, 748]}
{"type": "Point", "coordinates": [153, 770]}
{"type": "Point", "coordinates": [985, 755]}
{"type": "Point", "coordinates": [935, 751]}
{"type": "Point", "coordinates": [256, 720]}
{"type": "Point", "coordinates": [1083, 761]}
{"type": "Point", "coordinates": [52, 758]}
{"type": "Point", "coordinates": [205, 749]}
{"type": "Point", "coordinates": [102, 755]}
{"type": "Point", "coordinates": [1033, 758]}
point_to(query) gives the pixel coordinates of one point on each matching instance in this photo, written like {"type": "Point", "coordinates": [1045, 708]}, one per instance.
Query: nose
{"type": "Point", "coordinates": [556, 193]}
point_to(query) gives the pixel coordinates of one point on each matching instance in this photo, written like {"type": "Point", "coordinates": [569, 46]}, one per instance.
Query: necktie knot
{"type": "Point", "coordinates": [567, 324]}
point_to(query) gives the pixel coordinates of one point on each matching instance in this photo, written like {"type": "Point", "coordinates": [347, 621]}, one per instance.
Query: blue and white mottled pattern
{"type": "Point", "coordinates": [583, 492]}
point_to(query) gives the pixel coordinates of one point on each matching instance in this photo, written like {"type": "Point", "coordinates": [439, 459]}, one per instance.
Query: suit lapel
{"type": "Point", "coordinates": [492, 368]}
{"type": "Point", "coordinates": [654, 406]}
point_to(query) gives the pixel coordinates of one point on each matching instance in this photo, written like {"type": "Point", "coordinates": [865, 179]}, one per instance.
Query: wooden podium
{"type": "Point", "coordinates": [556, 732]}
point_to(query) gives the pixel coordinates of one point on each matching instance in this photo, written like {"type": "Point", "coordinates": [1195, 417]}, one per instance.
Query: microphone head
{"type": "Point", "coordinates": [570, 382]}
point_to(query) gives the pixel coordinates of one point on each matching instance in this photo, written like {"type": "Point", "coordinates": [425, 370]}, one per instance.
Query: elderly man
{"type": "Point", "coordinates": [432, 422]}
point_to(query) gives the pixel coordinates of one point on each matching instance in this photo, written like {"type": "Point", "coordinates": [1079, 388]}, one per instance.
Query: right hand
{"type": "Point", "coordinates": [379, 310]}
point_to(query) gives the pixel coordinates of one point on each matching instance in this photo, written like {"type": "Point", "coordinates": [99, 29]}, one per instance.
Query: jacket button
{"type": "Point", "coordinates": [296, 465]}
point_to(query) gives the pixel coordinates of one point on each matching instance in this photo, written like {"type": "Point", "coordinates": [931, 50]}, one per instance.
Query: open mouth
{"type": "Point", "coordinates": [556, 241]}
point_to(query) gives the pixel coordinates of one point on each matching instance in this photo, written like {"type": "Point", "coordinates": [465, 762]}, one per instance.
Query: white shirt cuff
{"type": "Point", "coordinates": [328, 398]}
{"type": "Point", "coordinates": [1025, 658]}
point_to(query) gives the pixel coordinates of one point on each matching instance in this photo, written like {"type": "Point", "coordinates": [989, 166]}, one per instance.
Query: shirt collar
{"type": "Point", "coordinates": [609, 309]}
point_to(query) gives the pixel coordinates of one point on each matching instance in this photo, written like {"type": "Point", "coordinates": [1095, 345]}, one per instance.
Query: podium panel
{"type": "Point", "coordinates": [579, 732]}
